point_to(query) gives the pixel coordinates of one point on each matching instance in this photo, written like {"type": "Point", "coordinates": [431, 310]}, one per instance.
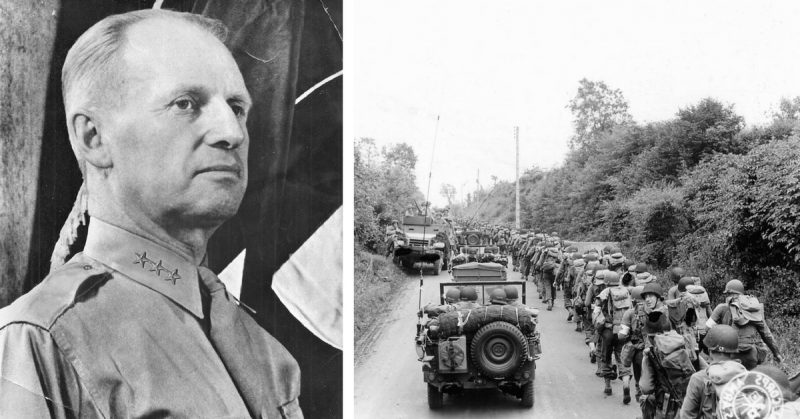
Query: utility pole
{"type": "Point", "coordinates": [516, 210]}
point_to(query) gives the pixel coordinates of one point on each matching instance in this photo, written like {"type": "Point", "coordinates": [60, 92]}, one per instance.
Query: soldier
{"type": "Point", "coordinates": [136, 325]}
{"type": "Point", "coordinates": [452, 297]}
{"type": "Point", "coordinates": [576, 265]}
{"type": "Point", "coordinates": [582, 292]}
{"type": "Point", "coordinates": [675, 275]}
{"type": "Point", "coordinates": [549, 268]}
{"type": "Point", "coordinates": [746, 315]}
{"type": "Point", "coordinates": [614, 301]}
{"type": "Point", "coordinates": [591, 302]}
{"type": "Point", "coordinates": [633, 325]}
{"type": "Point", "coordinates": [642, 276]}
{"type": "Point", "coordinates": [723, 350]}
{"type": "Point", "coordinates": [469, 299]}
{"type": "Point", "coordinates": [498, 297]}
{"type": "Point", "coordinates": [663, 385]}
{"type": "Point", "coordinates": [684, 312]}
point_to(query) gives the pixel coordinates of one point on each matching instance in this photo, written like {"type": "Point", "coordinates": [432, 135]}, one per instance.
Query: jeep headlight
{"type": "Point", "coordinates": [400, 242]}
{"type": "Point", "coordinates": [438, 245]}
{"type": "Point", "coordinates": [420, 347]}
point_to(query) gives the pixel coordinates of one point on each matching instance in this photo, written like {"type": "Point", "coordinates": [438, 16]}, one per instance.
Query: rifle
{"type": "Point", "coordinates": [655, 358]}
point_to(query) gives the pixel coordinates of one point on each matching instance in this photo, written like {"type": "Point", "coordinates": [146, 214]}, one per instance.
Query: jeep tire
{"type": "Point", "coordinates": [435, 397]}
{"type": "Point", "coordinates": [473, 239]}
{"type": "Point", "coordinates": [498, 349]}
{"type": "Point", "coordinates": [527, 389]}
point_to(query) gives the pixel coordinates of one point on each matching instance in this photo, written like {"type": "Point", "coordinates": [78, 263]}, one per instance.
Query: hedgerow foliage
{"type": "Point", "coordinates": [700, 190]}
{"type": "Point", "coordinates": [384, 186]}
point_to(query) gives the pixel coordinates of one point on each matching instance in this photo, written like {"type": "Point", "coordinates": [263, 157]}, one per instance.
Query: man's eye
{"type": "Point", "coordinates": [185, 104]}
{"type": "Point", "coordinates": [238, 110]}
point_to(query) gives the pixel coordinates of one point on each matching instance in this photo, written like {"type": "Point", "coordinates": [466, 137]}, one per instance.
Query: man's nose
{"type": "Point", "coordinates": [225, 129]}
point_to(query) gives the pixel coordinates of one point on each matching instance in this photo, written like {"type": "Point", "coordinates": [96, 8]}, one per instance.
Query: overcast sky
{"type": "Point", "coordinates": [486, 66]}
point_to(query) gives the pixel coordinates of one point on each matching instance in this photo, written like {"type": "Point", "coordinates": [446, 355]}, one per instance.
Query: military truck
{"type": "Point", "coordinates": [423, 243]}
{"type": "Point", "coordinates": [489, 347]}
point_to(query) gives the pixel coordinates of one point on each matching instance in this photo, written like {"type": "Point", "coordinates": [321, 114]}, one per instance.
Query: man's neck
{"type": "Point", "coordinates": [189, 243]}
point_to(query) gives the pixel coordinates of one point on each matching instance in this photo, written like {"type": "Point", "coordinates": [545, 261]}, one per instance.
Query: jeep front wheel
{"type": "Point", "coordinates": [435, 397]}
{"type": "Point", "coordinates": [498, 349]}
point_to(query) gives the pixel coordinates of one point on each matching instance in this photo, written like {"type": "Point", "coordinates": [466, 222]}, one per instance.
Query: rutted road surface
{"type": "Point", "coordinates": [388, 382]}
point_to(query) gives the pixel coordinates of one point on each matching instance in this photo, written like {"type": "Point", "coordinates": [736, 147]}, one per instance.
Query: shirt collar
{"type": "Point", "coordinates": [146, 262]}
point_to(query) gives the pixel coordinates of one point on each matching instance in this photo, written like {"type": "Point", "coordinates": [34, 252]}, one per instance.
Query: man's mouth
{"type": "Point", "coordinates": [222, 168]}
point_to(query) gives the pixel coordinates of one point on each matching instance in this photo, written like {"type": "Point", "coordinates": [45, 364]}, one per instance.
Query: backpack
{"type": "Point", "coordinates": [618, 302]}
{"type": "Point", "coordinates": [672, 362]}
{"type": "Point", "coordinates": [745, 309]}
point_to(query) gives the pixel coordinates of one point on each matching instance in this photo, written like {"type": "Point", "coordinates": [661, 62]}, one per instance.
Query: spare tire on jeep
{"type": "Point", "coordinates": [498, 349]}
{"type": "Point", "coordinates": [473, 239]}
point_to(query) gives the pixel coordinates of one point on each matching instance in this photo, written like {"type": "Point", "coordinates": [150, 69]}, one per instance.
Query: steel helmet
{"type": "Point", "coordinates": [601, 274]}
{"type": "Point", "coordinates": [734, 286]}
{"type": "Point", "coordinates": [652, 288]}
{"type": "Point", "coordinates": [722, 338]}
{"type": "Point", "coordinates": [511, 292]}
{"type": "Point", "coordinates": [578, 263]}
{"type": "Point", "coordinates": [641, 268]}
{"type": "Point", "coordinates": [469, 294]}
{"type": "Point", "coordinates": [498, 296]}
{"type": "Point", "coordinates": [577, 255]}
{"type": "Point", "coordinates": [636, 293]}
{"type": "Point", "coordinates": [676, 273]}
{"type": "Point", "coordinates": [591, 257]}
{"type": "Point", "coordinates": [686, 280]}
{"type": "Point", "coordinates": [612, 278]}
{"type": "Point", "coordinates": [592, 266]}
{"type": "Point", "coordinates": [452, 295]}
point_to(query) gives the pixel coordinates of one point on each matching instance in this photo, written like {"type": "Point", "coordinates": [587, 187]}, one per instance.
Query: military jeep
{"type": "Point", "coordinates": [486, 353]}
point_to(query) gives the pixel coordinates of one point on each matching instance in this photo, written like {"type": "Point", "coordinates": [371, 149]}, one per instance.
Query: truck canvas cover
{"type": "Point", "coordinates": [475, 271]}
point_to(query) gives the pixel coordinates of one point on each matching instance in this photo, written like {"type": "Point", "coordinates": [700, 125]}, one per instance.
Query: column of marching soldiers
{"type": "Point", "coordinates": [676, 348]}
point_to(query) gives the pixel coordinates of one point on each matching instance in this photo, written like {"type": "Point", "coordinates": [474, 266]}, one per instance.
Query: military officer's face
{"type": "Point", "coordinates": [177, 131]}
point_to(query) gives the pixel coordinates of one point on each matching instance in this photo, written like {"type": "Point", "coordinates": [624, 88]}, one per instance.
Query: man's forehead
{"type": "Point", "coordinates": [171, 48]}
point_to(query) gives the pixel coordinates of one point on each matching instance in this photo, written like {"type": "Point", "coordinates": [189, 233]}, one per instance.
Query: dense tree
{"type": "Point", "coordinates": [384, 187]}
{"type": "Point", "coordinates": [597, 109]}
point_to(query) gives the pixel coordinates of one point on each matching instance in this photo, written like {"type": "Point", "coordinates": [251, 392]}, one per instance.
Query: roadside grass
{"type": "Point", "coordinates": [377, 280]}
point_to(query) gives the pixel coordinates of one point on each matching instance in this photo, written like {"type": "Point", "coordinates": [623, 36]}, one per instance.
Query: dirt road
{"type": "Point", "coordinates": [388, 382]}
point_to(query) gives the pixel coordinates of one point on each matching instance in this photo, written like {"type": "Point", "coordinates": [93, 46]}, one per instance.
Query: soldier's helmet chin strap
{"type": "Point", "coordinates": [69, 232]}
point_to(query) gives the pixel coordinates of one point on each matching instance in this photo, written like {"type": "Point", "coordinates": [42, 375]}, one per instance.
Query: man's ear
{"type": "Point", "coordinates": [88, 142]}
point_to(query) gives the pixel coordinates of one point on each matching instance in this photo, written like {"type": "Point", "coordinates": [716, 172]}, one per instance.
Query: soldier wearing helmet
{"type": "Point", "coordinates": [723, 349]}
{"type": "Point", "coordinates": [642, 275]}
{"type": "Point", "coordinates": [591, 302]}
{"type": "Point", "coordinates": [633, 328]}
{"type": "Point", "coordinates": [498, 297]}
{"type": "Point", "coordinates": [614, 301]}
{"type": "Point", "coordinates": [469, 299]}
{"type": "Point", "coordinates": [675, 275]}
{"type": "Point", "coordinates": [684, 312]}
{"type": "Point", "coordinates": [745, 314]}
{"type": "Point", "coordinates": [451, 298]}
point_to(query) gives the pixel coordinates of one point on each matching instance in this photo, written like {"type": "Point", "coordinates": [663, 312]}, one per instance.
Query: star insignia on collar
{"type": "Point", "coordinates": [173, 276]}
{"type": "Point", "coordinates": [142, 259]}
{"type": "Point", "coordinates": [158, 268]}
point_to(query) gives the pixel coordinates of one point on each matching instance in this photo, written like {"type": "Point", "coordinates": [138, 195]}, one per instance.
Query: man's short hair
{"type": "Point", "coordinates": [94, 53]}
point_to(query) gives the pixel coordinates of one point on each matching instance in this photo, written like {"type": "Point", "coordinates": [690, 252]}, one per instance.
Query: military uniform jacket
{"type": "Point", "coordinates": [121, 331]}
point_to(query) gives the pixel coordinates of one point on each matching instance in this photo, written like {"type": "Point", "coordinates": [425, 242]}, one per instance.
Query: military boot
{"type": "Point", "coordinates": [569, 318]}
{"type": "Point", "coordinates": [608, 387]}
{"type": "Point", "coordinates": [626, 394]}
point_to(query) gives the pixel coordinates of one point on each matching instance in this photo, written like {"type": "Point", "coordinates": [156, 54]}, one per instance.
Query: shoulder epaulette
{"type": "Point", "coordinates": [45, 303]}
